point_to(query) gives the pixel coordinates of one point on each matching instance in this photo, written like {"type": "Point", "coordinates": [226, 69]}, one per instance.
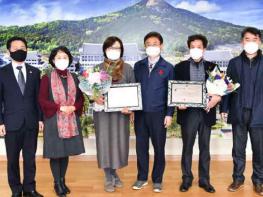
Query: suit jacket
{"type": "Point", "coordinates": [154, 85]}
{"type": "Point", "coordinates": [17, 108]}
{"type": "Point", "coordinates": [232, 103]}
{"type": "Point", "coordinates": [182, 73]}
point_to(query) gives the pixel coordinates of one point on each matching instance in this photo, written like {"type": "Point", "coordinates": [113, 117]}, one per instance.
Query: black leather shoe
{"type": "Point", "coordinates": [207, 187]}
{"type": "Point", "coordinates": [17, 194]}
{"type": "Point", "coordinates": [64, 186]}
{"type": "Point", "coordinates": [184, 187]}
{"type": "Point", "coordinates": [32, 193]}
{"type": "Point", "coordinates": [235, 186]}
{"type": "Point", "coordinates": [59, 190]}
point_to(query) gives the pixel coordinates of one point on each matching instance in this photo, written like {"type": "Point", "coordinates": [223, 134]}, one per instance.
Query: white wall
{"type": "Point", "coordinates": [218, 147]}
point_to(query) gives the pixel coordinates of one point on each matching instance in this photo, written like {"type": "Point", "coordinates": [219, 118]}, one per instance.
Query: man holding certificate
{"type": "Point", "coordinates": [153, 73]}
{"type": "Point", "coordinates": [198, 119]}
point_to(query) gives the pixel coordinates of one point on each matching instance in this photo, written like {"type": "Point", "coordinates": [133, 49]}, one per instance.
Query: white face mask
{"type": "Point", "coordinates": [153, 51]}
{"type": "Point", "coordinates": [251, 47]}
{"type": "Point", "coordinates": [196, 53]}
{"type": "Point", "coordinates": [113, 54]}
{"type": "Point", "coordinates": [62, 64]}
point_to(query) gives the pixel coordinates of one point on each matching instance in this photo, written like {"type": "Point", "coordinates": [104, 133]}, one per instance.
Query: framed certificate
{"type": "Point", "coordinates": [187, 93]}
{"type": "Point", "coordinates": [123, 95]}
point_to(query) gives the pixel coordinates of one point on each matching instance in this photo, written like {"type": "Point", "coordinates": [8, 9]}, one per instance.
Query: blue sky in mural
{"type": "Point", "coordinates": [23, 12]}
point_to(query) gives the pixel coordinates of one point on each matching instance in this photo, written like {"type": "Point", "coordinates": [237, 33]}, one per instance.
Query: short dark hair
{"type": "Point", "coordinates": [109, 42]}
{"type": "Point", "coordinates": [197, 37]}
{"type": "Point", "coordinates": [15, 38]}
{"type": "Point", "coordinates": [54, 53]}
{"type": "Point", "coordinates": [155, 35]}
{"type": "Point", "coordinates": [251, 30]}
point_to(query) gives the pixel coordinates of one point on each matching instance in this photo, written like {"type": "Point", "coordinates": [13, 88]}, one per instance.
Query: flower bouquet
{"type": "Point", "coordinates": [219, 84]}
{"type": "Point", "coordinates": [95, 82]}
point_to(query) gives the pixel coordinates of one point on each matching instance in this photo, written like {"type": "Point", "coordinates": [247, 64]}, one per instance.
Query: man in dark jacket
{"type": "Point", "coordinates": [21, 117]}
{"type": "Point", "coordinates": [193, 120]}
{"type": "Point", "coordinates": [245, 107]}
{"type": "Point", "coordinates": [153, 73]}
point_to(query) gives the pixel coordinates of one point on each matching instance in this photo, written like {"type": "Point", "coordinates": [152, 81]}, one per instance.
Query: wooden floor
{"type": "Point", "coordinates": [86, 180]}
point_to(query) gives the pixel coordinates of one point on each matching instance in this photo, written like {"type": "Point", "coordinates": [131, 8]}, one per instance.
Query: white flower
{"type": "Point", "coordinates": [218, 87]}
{"type": "Point", "coordinates": [94, 78]}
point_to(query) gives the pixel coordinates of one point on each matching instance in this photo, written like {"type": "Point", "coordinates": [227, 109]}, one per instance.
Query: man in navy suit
{"type": "Point", "coordinates": [20, 119]}
{"type": "Point", "coordinates": [153, 73]}
{"type": "Point", "coordinates": [245, 108]}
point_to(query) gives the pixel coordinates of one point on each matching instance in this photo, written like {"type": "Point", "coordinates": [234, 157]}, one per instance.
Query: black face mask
{"type": "Point", "coordinates": [19, 55]}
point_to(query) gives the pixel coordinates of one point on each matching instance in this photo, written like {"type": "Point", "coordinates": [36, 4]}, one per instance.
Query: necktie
{"type": "Point", "coordinates": [150, 67]}
{"type": "Point", "coordinates": [21, 79]}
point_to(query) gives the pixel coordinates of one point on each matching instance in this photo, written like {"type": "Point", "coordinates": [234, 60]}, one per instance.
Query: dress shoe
{"type": "Point", "coordinates": [235, 186]}
{"type": "Point", "coordinates": [59, 189]}
{"type": "Point", "coordinates": [258, 188]}
{"type": "Point", "coordinates": [184, 187]}
{"type": "Point", "coordinates": [19, 194]}
{"type": "Point", "coordinates": [32, 193]}
{"type": "Point", "coordinates": [207, 187]}
{"type": "Point", "coordinates": [64, 186]}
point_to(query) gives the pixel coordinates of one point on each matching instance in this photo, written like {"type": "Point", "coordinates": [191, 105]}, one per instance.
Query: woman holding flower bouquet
{"type": "Point", "coordinates": [62, 102]}
{"type": "Point", "coordinates": [112, 128]}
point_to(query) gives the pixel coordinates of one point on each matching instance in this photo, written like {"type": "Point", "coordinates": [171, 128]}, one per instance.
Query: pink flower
{"type": "Point", "coordinates": [104, 76]}
{"type": "Point", "coordinates": [94, 78]}
{"type": "Point", "coordinates": [85, 74]}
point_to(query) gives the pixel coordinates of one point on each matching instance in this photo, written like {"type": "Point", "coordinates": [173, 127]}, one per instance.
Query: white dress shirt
{"type": "Point", "coordinates": [153, 62]}
{"type": "Point", "coordinates": [16, 71]}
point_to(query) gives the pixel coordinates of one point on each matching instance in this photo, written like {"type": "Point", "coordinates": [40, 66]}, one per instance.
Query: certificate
{"type": "Point", "coordinates": [123, 96]}
{"type": "Point", "coordinates": [187, 93]}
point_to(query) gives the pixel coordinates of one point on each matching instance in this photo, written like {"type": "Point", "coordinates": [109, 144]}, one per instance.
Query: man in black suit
{"type": "Point", "coordinates": [245, 108]}
{"type": "Point", "coordinates": [21, 117]}
{"type": "Point", "coordinates": [193, 120]}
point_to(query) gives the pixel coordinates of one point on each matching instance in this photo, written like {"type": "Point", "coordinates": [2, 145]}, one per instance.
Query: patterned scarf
{"type": "Point", "coordinates": [115, 68]}
{"type": "Point", "coordinates": [67, 125]}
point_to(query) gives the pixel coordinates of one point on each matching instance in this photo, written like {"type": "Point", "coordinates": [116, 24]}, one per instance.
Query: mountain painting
{"type": "Point", "coordinates": [130, 24]}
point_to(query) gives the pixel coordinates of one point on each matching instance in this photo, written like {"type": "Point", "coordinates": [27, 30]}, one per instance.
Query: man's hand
{"type": "Point", "coordinates": [213, 102]}
{"type": "Point", "coordinates": [168, 121]}
{"type": "Point", "coordinates": [182, 107]}
{"type": "Point", "coordinates": [2, 130]}
{"type": "Point", "coordinates": [40, 126]}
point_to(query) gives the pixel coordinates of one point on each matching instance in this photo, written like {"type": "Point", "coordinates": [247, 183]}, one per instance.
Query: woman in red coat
{"type": "Point", "coordinates": [62, 102]}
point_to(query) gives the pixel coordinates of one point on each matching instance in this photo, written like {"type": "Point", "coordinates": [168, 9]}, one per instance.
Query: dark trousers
{"type": "Point", "coordinates": [195, 123]}
{"type": "Point", "coordinates": [240, 135]}
{"type": "Point", "coordinates": [26, 140]}
{"type": "Point", "coordinates": [150, 125]}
